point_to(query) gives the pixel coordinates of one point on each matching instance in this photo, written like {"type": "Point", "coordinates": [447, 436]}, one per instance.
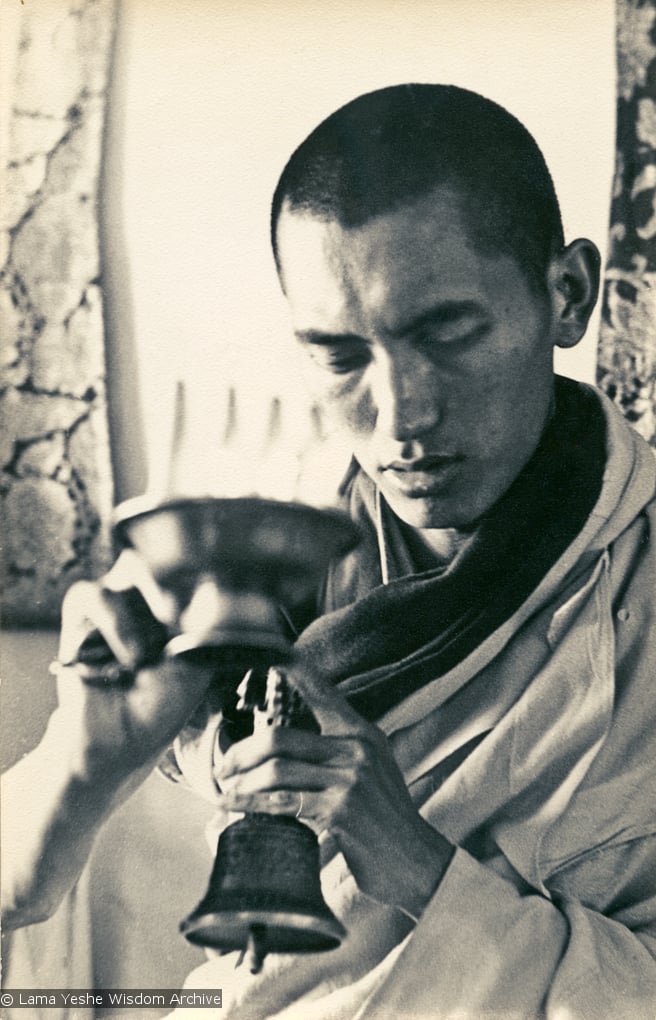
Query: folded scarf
{"type": "Point", "coordinates": [381, 642]}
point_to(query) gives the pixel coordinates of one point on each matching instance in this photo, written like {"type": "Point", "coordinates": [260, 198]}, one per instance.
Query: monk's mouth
{"type": "Point", "coordinates": [423, 476]}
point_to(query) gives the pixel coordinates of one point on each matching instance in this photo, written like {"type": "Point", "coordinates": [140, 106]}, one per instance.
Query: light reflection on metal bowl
{"type": "Point", "coordinates": [230, 564]}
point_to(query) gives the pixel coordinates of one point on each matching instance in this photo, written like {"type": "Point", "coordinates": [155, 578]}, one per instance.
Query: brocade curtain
{"type": "Point", "coordinates": [56, 482]}
{"type": "Point", "coordinates": [626, 367]}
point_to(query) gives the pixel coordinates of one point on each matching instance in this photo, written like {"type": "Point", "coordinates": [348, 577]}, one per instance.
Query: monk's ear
{"type": "Point", "coordinates": [573, 283]}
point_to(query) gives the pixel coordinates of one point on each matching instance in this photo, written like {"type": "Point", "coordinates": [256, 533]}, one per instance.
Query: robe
{"type": "Point", "coordinates": [533, 751]}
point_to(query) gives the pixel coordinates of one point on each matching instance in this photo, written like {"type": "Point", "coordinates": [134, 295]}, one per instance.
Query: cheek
{"type": "Point", "coordinates": [347, 405]}
{"type": "Point", "coordinates": [505, 411]}
{"type": "Point", "coordinates": [476, 418]}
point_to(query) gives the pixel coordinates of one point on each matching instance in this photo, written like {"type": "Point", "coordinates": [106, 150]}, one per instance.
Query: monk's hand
{"type": "Point", "coordinates": [120, 702]}
{"type": "Point", "coordinates": [343, 780]}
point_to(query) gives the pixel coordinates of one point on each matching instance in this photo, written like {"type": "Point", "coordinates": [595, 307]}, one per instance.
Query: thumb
{"type": "Point", "coordinates": [331, 710]}
{"type": "Point", "coordinates": [100, 626]}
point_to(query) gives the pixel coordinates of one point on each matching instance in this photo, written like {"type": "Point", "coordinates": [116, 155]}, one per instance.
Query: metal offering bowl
{"type": "Point", "coordinates": [230, 564]}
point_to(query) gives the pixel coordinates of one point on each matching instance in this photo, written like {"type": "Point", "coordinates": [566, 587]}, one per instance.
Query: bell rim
{"type": "Point", "coordinates": [237, 923]}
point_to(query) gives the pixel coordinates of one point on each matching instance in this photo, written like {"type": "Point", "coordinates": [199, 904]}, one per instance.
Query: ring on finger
{"type": "Point", "coordinates": [285, 800]}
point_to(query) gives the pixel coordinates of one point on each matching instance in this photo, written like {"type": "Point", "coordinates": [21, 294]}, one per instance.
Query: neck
{"type": "Point", "coordinates": [444, 542]}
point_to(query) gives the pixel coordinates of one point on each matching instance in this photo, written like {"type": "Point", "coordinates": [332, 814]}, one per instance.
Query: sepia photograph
{"type": "Point", "coordinates": [327, 556]}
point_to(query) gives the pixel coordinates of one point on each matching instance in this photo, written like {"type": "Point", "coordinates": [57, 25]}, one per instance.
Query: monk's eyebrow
{"type": "Point", "coordinates": [320, 339]}
{"type": "Point", "coordinates": [444, 314]}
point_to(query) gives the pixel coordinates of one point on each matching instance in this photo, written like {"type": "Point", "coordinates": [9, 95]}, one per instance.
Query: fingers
{"type": "Point", "coordinates": [281, 744]}
{"type": "Point", "coordinates": [271, 774]}
{"type": "Point", "coordinates": [115, 728]}
{"type": "Point", "coordinates": [132, 571]}
{"type": "Point", "coordinates": [165, 696]}
{"type": "Point", "coordinates": [307, 806]}
{"type": "Point", "coordinates": [332, 712]}
{"type": "Point", "coordinates": [100, 625]}
{"type": "Point", "coordinates": [284, 774]}
{"type": "Point", "coordinates": [319, 808]}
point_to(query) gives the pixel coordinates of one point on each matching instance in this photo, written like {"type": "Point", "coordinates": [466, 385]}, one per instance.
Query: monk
{"type": "Point", "coordinates": [482, 666]}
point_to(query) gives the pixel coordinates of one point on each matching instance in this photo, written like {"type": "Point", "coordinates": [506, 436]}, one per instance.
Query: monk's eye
{"type": "Point", "coordinates": [457, 334]}
{"type": "Point", "coordinates": [340, 358]}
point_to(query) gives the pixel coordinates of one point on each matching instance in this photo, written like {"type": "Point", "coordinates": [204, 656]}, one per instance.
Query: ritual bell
{"type": "Point", "coordinates": [264, 893]}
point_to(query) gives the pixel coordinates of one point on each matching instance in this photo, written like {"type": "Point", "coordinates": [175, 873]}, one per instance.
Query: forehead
{"type": "Point", "coordinates": [389, 268]}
